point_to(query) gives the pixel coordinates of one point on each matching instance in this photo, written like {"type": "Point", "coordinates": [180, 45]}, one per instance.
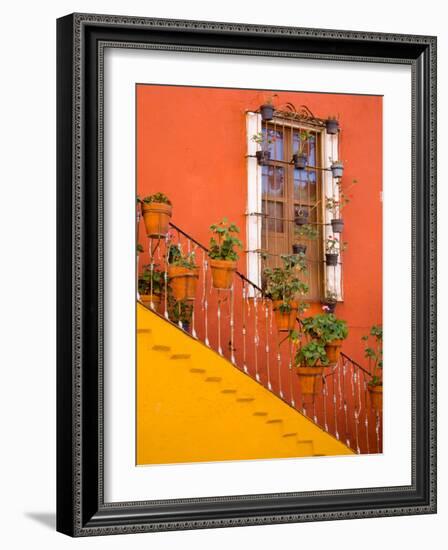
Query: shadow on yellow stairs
{"type": "Point", "coordinates": [195, 406]}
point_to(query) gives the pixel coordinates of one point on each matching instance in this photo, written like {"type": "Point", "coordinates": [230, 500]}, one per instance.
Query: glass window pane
{"type": "Point", "coordinates": [274, 220]}
{"type": "Point", "coordinates": [274, 142]}
{"type": "Point", "coordinates": [273, 181]}
{"type": "Point", "coordinates": [305, 186]}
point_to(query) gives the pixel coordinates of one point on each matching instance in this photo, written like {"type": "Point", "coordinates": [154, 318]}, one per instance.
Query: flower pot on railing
{"type": "Point", "coordinates": [299, 248]}
{"type": "Point", "coordinates": [332, 126]}
{"type": "Point", "coordinates": [376, 396]}
{"type": "Point", "coordinates": [222, 273]}
{"type": "Point", "coordinates": [183, 282]}
{"type": "Point", "coordinates": [337, 169]}
{"type": "Point", "coordinates": [310, 379]}
{"type": "Point", "coordinates": [337, 225]}
{"type": "Point", "coordinates": [285, 315]}
{"type": "Point", "coordinates": [331, 259]}
{"type": "Point", "coordinates": [301, 217]}
{"type": "Point", "coordinates": [156, 216]}
{"type": "Point", "coordinates": [267, 111]}
{"type": "Point", "coordinates": [333, 351]}
{"type": "Point", "coordinates": [300, 161]}
{"type": "Point", "coordinates": [263, 157]}
{"type": "Point", "coordinates": [151, 301]}
{"type": "Point", "coordinates": [330, 305]}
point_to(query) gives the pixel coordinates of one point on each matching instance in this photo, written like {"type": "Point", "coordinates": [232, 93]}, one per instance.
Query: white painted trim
{"type": "Point", "coordinates": [333, 275]}
{"type": "Point", "coordinates": [253, 224]}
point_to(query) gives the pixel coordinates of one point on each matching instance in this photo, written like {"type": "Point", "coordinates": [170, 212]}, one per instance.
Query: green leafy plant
{"type": "Point", "coordinates": [374, 353]}
{"type": "Point", "coordinates": [284, 283]}
{"type": "Point", "coordinates": [325, 327]}
{"type": "Point", "coordinates": [139, 248]}
{"type": "Point", "coordinates": [264, 139]}
{"type": "Point", "coordinates": [157, 197]}
{"type": "Point", "coordinates": [311, 354]}
{"type": "Point", "coordinates": [306, 231]}
{"type": "Point", "coordinates": [305, 137]}
{"type": "Point", "coordinates": [179, 310]}
{"type": "Point", "coordinates": [223, 243]}
{"type": "Point", "coordinates": [334, 246]}
{"type": "Point", "coordinates": [337, 205]}
{"type": "Point", "coordinates": [175, 257]}
{"type": "Point", "coordinates": [151, 281]}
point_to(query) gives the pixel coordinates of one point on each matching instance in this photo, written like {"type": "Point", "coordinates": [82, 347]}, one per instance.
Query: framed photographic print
{"type": "Point", "coordinates": [246, 274]}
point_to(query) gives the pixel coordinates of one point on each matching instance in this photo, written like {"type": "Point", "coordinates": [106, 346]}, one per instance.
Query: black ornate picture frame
{"type": "Point", "coordinates": [81, 509]}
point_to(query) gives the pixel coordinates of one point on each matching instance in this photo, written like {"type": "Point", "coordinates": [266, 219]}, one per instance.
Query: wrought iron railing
{"type": "Point", "coordinates": [239, 325]}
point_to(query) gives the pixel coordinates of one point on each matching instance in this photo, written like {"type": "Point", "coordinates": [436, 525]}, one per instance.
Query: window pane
{"type": "Point", "coordinates": [305, 185]}
{"type": "Point", "coordinates": [274, 220]}
{"type": "Point", "coordinates": [274, 141]}
{"type": "Point", "coordinates": [273, 181]}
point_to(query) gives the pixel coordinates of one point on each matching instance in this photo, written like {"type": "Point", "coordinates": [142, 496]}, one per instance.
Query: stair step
{"type": "Point", "coordinates": [245, 399]}
{"type": "Point", "coordinates": [144, 331]}
{"type": "Point", "coordinates": [260, 413]}
{"type": "Point", "coordinates": [213, 379]}
{"type": "Point", "coordinates": [228, 391]}
{"type": "Point", "coordinates": [180, 356]}
{"type": "Point", "coordinates": [274, 421]}
{"type": "Point", "coordinates": [158, 347]}
{"type": "Point", "coordinates": [198, 371]}
{"type": "Point", "coordinates": [290, 434]}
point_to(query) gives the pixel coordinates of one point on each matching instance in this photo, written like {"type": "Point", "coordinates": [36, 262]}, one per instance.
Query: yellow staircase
{"type": "Point", "coordinates": [195, 406]}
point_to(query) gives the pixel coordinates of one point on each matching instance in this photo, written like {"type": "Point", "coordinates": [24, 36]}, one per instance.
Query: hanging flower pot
{"type": "Point", "coordinates": [157, 211]}
{"type": "Point", "coordinates": [337, 169]}
{"type": "Point", "coordinates": [263, 157]}
{"type": "Point", "coordinates": [337, 225]}
{"type": "Point", "coordinates": [300, 160]}
{"type": "Point", "coordinates": [332, 126]}
{"type": "Point", "coordinates": [222, 273]}
{"type": "Point", "coordinates": [301, 217]}
{"type": "Point", "coordinates": [329, 305]}
{"type": "Point", "coordinates": [150, 301]}
{"type": "Point", "coordinates": [376, 397]}
{"type": "Point", "coordinates": [333, 351]}
{"type": "Point", "coordinates": [183, 282]}
{"type": "Point", "coordinates": [299, 248]}
{"type": "Point", "coordinates": [331, 259]}
{"type": "Point", "coordinates": [310, 379]}
{"type": "Point", "coordinates": [267, 111]}
{"type": "Point", "coordinates": [285, 315]}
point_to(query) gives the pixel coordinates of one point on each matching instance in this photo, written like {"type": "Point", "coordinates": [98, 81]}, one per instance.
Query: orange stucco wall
{"type": "Point", "coordinates": [191, 145]}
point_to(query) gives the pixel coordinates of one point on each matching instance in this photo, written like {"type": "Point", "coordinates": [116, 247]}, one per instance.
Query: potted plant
{"type": "Point", "coordinates": [300, 158]}
{"type": "Point", "coordinates": [157, 211]}
{"type": "Point", "coordinates": [337, 168]}
{"type": "Point", "coordinates": [337, 205]}
{"type": "Point", "coordinates": [150, 286]}
{"type": "Point", "coordinates": [301, 216]}
{"type": "Point", "coordinates": [139, 249]}
{"type": "Point", "coordinates": [329, 331]}
{"type": "Point", "coordinates": [264, 140]}
{"type": "Point", "coordinates": [310, 360]}
{"type": "Point", "coordinates": [374, 353]}
{"type": "Point", "coordinates": [333, 247]}
{"type": "Point", "coordinates": [267, 110]}
{"type": "Point", "coordinates": [182, 274]}
{"type": "Point", "coordinates": [222, 253]}
{"type": "Point", "coordinates": [283, 285]}
{"type": "Point", "coordinates": [180, 312]}
{"type": "Point", "coordinates": [330, 301]}
{"type": "Point", "coordinates": [306, 231]}
{"type": "Point", "coordinates": [332, 125]}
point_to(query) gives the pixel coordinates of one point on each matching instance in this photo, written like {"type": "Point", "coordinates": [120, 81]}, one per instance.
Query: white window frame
{"type": "Point", "coordinates": [333, 275]}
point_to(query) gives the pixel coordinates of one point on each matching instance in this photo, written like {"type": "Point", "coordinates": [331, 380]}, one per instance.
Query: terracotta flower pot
{"type": "Point", "coordinates": [150, 301]}
{"type": "Point", "coordinates": [183, 282]}
{"type": "Point", "coordinates": [376, 397]}
{"type": "Point", "coordinates": [310, 379]}
{"type": "Point", "coordinates": [285, 320]}
{"type": "Point", "coordinates": [333, 350]}
{"type": "Point", "coordinates": [222, 273]}
{"type": "Point", "coordinates": [156, 216]}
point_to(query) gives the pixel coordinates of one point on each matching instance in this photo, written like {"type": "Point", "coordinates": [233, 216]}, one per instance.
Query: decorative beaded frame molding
{"type": "Point", "coordinates": [81, 510]}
